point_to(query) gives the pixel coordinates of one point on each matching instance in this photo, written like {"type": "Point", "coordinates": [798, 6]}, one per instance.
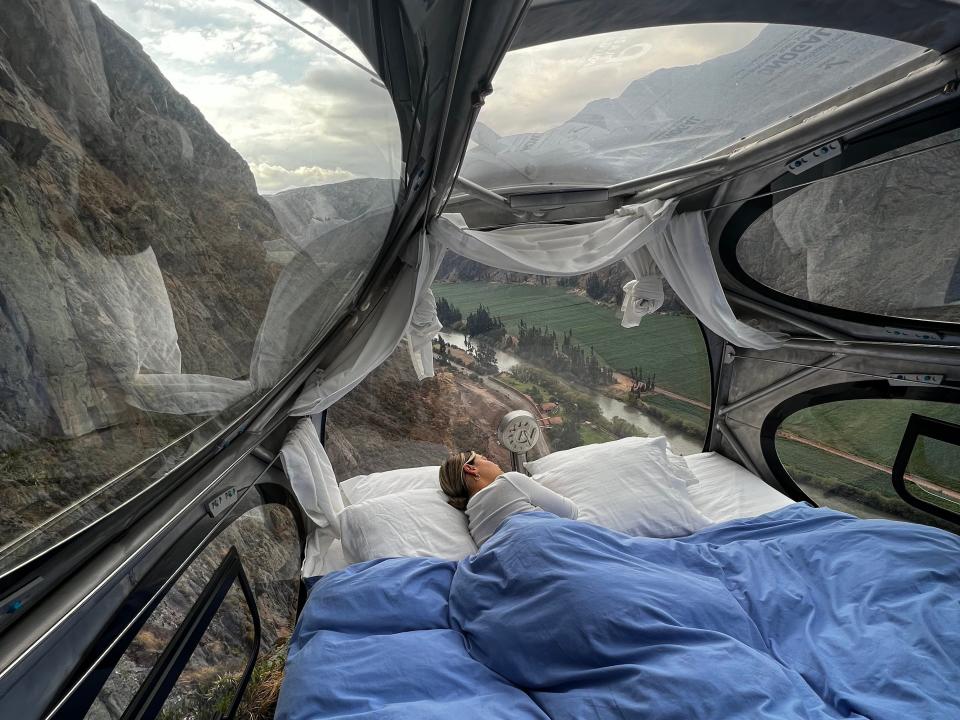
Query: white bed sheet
{"type": "Point", "coordinates": [728, 491]}
{"type": "Point", "coordinates": [725, 491]}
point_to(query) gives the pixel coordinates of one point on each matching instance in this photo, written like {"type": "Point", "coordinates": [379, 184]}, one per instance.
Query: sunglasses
{"type": "Point", "coordinates": [469, 460]}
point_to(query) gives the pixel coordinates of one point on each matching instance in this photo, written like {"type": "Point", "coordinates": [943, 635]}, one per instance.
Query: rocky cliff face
{"type": "Point", "coordinates": [101, 158]}
{"type": "Point", "coordinates": [392, 420]}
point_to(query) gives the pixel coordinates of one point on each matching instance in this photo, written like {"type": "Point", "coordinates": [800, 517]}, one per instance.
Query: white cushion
{"type": "Point", "coordinates": [629, 485]}
{"type": "Point", "coordinates": [622, 451]}
{"type": "Point", "coordinates": [363, 487]}
{"type": "Point", "coordinates": [412, 523]}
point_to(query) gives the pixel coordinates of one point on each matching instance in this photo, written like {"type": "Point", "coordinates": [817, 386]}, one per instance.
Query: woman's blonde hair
{"type": "Point", "coordinates": [452, 480]}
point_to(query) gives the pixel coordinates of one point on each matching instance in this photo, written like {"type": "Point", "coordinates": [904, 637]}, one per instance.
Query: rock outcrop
{"type": "Point", "coordinates": [133, 241]}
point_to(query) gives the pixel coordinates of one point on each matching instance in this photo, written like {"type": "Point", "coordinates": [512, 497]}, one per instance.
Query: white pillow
{"type": "Point", "coordinates": [412, 523]}
{"type": "Point", "coordinates": [363, 487]}
{"type": "Point", "coordinates": [622, 451]}
{"type": "Point", "coordinates": [628, 485]}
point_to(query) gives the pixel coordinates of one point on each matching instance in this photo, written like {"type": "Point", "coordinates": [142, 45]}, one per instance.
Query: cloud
{"type": "Point", "coordinates": [298, 113]}
{"type": "Point", "coordinates": [275, 178]}
{"type": "Point", "coordinates": [210, 46]}
{"type": "Point", "coordinates": [291, 107]}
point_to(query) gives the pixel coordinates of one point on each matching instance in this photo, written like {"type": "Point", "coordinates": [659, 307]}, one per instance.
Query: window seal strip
{"type": "Point", "coordinates": [156, 688]}
{"type": "Point", "coordinates": [922, 426]}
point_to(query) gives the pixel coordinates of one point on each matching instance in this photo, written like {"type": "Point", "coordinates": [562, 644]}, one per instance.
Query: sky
{"type": "Point", "coordinates": [299, 114]}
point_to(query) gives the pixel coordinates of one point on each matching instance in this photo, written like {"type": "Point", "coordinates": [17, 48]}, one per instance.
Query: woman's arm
{"type": "Point", "coordinates": [543, 497]}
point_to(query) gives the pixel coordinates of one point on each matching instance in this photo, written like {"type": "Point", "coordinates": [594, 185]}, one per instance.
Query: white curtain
{"type": "Point", "coordinates": [381, 333]}
{"type": "Point", "coordinates": [682, 252]}
{"type": "Point", "coordinates": [560, 250]}
{"type": "Point", "coordinates": [647, 236]}
{"type": "Point", "coordinates": [644, 294]}
{"type": "Point", "coordinates": [311, 475]}
{"type": "Point", "coordinates": [423, 328]}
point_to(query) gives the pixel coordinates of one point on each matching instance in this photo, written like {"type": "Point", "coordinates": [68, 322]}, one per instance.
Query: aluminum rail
{"type": "Point", "coordinates": [782, 383]}
{"type": "Point", "coordinates": [484, 195]}
{"type": "Point", "coordinates": [907, 352]}
{"type": "Point", "coordinates": [727, 432]}
{"type": "Point", "coordinates": [787, 317]}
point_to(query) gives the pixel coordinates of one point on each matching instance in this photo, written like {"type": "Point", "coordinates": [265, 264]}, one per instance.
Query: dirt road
{"type": "Point", "coordinates": [624, 383]}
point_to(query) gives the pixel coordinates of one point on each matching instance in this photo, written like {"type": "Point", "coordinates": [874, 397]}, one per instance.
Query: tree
{"type": "Point", "coordinates": [486, 356]}
{"type": "Point", "coordinates": [594, 286]}
{"type": "Point", "coordinates": [569, 433]}
{"type": "Point", "coordinates": [481, 323]}
{"type": "Point", "coordinates": [447, 313]}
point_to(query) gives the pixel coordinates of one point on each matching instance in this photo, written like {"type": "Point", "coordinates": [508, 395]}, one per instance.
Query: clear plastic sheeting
{"type": "Point", "coordinates": [609, 108]}
{"type": "Point", "coordinates": [880, 238]}
{"type": "Point", "coordinates": [380, 334]}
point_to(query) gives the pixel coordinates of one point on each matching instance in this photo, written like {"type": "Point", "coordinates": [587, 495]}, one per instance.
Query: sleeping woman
{"type": "Point", "coordinates": [489, 496]}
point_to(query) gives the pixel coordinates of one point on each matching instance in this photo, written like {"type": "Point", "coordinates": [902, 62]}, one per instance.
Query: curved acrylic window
{"type": "Point", "coordinates": [882, 239]}
{"type": "Point", "coordinates": [551, 346]}
{"type": "Point", "coordinates": [841, 453]}
{"type": "Point", "coordinates": [618, 106]}
{"type": "Point", "coordinates": [190, 195]}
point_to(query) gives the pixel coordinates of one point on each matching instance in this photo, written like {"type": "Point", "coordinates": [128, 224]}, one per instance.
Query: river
{"type": "Point", "coordinates": [610, 408]}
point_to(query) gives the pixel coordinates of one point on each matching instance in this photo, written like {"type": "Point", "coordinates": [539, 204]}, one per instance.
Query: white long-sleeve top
{"type": "Point", "coordinates": [512, 493]}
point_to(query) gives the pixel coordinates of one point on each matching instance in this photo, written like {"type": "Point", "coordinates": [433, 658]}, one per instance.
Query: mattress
{"type": "Point", "coordinates": [725, 491]}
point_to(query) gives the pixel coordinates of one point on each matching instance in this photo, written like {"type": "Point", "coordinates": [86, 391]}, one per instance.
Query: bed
{"type": "Point", "coordinates": [745, 604]}
{"type": "Point", "coordinates": [725, 491]}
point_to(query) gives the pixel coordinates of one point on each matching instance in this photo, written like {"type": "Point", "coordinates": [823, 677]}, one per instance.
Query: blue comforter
{"type": "Point", "coordinates": [799, 613]}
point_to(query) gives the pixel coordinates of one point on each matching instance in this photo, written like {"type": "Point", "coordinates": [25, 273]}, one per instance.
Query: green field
{"type": "Point", "coordinates": [872, 429]}
{"type": "Point", "coordinates": [669, 346]}
{"type": "Point", "coordinates": [683, 417]}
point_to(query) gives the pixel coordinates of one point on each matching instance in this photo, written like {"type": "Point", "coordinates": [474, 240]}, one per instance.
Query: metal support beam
{"type": "Point", "coordinates": [708, 168]}
{"type": "Point", "coordinates": [781, 383]}
{"type": "Point", "coordinates": [725, 430]}
{"type": "Point", "coordinates": [908, 352]}
{"type": "Point", "coordinates": [486, 196]}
